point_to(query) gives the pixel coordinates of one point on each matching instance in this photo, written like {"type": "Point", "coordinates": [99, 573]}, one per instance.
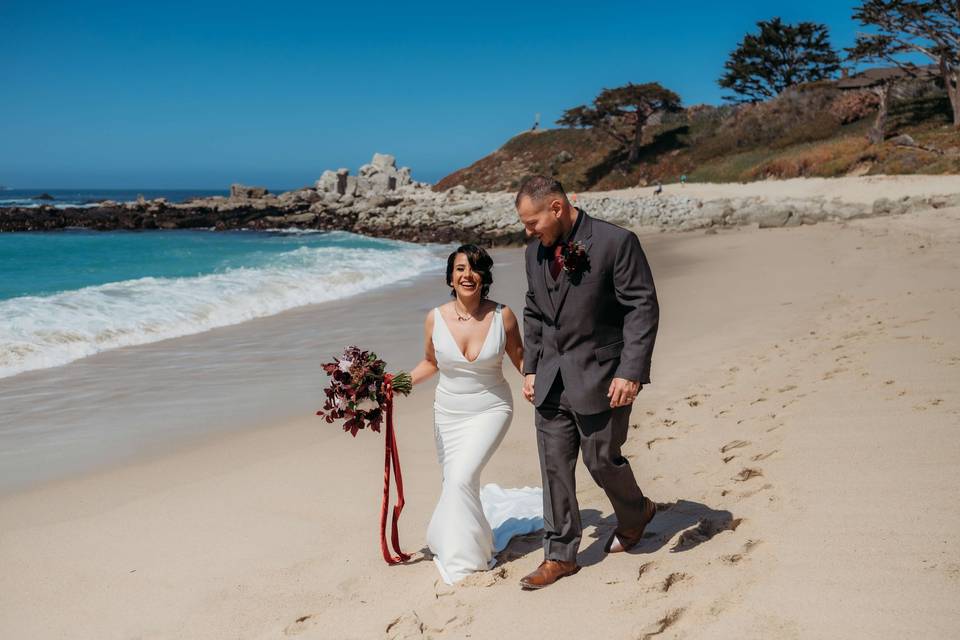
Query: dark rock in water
{"type": "Point", "coordinates": [43, 196]}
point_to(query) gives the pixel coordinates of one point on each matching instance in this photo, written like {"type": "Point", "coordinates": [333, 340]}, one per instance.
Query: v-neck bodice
{"type": "Point", "coordinates": [459, 375]}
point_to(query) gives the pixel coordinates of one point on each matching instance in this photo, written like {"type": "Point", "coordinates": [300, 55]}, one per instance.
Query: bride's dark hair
{"type": "Point", "coordinates": [480, 261]}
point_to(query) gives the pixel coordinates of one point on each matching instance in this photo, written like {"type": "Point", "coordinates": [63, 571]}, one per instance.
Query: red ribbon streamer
{"type": "Point", "coordinates": [391, 459]}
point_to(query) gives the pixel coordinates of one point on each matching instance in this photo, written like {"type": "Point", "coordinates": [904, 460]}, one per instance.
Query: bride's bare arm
{"type": "Point", "coordinates": [514, 347]}
{"type": "Point", "coordinates": [428, 366]}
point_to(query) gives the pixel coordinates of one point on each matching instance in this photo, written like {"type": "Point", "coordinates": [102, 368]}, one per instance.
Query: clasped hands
{"type": "Point", "coordinates": [621, 393]}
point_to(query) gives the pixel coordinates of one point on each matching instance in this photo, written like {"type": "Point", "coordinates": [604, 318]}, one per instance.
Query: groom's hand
{"type": "Point", "coordinates": [528, 381]}
{"type": "Point", "coordinates": [622, 392]}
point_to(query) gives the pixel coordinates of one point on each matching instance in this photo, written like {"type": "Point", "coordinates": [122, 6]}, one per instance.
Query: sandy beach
{"type": "Point", "coordinates": [859, 189]}
{"type": "Point", "coordinates": [799, 436]}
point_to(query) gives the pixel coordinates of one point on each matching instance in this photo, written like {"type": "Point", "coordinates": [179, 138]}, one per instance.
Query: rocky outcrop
{"type": "Point", "coordinates": [383, 200]}
{"type": "Point", "coordinates": [240, 191]}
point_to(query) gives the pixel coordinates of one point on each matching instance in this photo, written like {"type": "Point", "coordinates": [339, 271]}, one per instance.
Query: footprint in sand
{"type": "Point", "coordinates": [696, 399]}
{"type": "Point", "coordinates": [668, 620]}
{"type": "Point", "coordinates": [735, 444]}
{"type": "Point", "coordinates": [671, 580]}
{"type": "Point", "coordinates": [747, 473]}
{"type": "Point", "coordinates": [486, 578]}
{"type": "Point", "coordinates": [443, 590]}
{"type": "Point", "coordinates": [748, 494]}
{"type": "Point", "coordinates": [301, 624]}
{"type": "Point", "coordinates": [650, 443]}
{"type": "Point", "coordinates": [439, 617]}
{"type": "Point", "coordinates": [763, 456]}
{"type": "Point", "coordinates": [405, 627]}
{"type": "Point", "coordinates": [833, 372]}
{"type": "Point", "coordinates": [644, 568]}
{"type": "Point", "coordinates": [734, 558]}
{"type": "Point", "coordinates": [706, 529]}
{"type": "Point", "coordinates": [445, 615]}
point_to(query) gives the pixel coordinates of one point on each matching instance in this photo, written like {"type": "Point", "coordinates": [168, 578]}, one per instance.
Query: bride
{"type": "Point", "coordinates": [465, 342]}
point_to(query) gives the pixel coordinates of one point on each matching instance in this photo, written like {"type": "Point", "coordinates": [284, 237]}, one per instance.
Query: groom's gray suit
{"type": "Point", "coordinates": [580, 332]}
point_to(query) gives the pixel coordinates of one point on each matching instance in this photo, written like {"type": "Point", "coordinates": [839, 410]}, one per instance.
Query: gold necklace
{"type": "Point", "coordinates": [457, 311]}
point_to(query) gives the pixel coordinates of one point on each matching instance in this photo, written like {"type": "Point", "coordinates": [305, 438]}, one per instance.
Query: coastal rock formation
{"type": "Point", "coordinates": [243, 191]}
{"type": "Point", "coordinates": [383, 200]}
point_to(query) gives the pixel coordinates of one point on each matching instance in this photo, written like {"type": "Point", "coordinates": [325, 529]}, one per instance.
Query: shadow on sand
{"type": "Point", "coordinates": [695, 523]}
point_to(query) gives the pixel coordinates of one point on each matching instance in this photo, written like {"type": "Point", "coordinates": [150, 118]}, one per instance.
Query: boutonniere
{"type": "Point", "coordinates": [573, 259]}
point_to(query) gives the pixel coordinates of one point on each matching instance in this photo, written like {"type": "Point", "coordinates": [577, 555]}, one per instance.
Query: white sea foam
{"type": "Point", "coordinates": [38, 332]}
{"type": "Point", "coordinates": [295, 231]}
{"type": "Point", "coordinates": [30, 203]}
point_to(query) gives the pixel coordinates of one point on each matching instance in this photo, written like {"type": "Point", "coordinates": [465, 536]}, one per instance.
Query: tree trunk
{"type": "Point", "coordinates": [951, 81]}
{"type": "Point", "coordinates": [637, 142]}
{"type": "Point", "coordinates": [954, 94]}
{"type": "Point", "coordinates": [879, 129]}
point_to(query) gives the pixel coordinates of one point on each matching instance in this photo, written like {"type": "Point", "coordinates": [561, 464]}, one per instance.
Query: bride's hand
{"type": "Point", "coordinates": [528, 381]}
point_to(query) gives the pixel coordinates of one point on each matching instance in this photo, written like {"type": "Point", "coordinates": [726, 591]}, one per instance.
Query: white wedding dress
{"type": "Point", "coordinates": [472, 412]}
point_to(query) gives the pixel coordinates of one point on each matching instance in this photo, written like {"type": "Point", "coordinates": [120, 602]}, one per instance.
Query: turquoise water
{"type": "Point", "coordinates": [85, 197]}
{"type": "Point", "coordinates": [68, 295]}
{"type": "Point", "coordinates": [46, 263]}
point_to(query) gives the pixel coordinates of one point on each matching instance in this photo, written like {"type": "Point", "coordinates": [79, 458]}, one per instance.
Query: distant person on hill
{"type": "Point", "coordinates": [683, 180]}
{"type": "Point", "coordinates": [659, 189]}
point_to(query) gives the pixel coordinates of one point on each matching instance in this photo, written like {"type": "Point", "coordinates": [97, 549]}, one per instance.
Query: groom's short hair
{"type": "Point", "coordinates": [539, 187]}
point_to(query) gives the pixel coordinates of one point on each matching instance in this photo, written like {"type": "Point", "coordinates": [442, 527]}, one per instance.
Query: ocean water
{"type": "Point", "coordinates": [88, 197]}
{"type": "Point", "coordinates": [68, 295]}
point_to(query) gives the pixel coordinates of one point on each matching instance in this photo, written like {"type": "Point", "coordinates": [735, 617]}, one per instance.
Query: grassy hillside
{"type": "Point", "coordinates": [813, 130]}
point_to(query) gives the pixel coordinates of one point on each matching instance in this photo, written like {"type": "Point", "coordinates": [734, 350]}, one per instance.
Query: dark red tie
{"type": "Point", "coordinates": [556, 264]}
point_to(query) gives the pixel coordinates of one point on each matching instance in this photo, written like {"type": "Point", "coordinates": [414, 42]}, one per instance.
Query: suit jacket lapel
{"type": "Point", "coordinates": [547, 281]}
{"type": "Point", "coordinates": [583, 234]}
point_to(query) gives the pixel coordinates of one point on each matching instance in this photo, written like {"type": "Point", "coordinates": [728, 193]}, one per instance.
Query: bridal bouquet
{"type": "Point", "coordinates": [361, 394]}
{"type": "Point", "coordinates": [358, 389]}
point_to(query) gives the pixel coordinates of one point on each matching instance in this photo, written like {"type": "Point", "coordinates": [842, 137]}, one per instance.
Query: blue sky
{"type": "Point", "coordinates": [201, 94]}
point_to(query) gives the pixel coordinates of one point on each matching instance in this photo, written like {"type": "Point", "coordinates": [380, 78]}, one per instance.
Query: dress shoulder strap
{"type": "Point", "coordinates": [498, 318]}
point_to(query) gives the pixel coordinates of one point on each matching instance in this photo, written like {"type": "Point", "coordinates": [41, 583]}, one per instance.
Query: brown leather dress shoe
{"type": "Point", "coordinates": [547, 573]}
{"type": "Point", "coordinates": [629, 538]}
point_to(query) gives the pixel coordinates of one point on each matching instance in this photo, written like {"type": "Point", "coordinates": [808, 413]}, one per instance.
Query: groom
{"type": "Point", "coordinates": [589, 324]}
